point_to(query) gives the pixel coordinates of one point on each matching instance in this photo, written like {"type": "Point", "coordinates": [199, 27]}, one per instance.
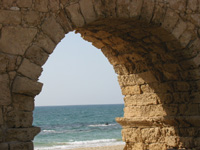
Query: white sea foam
{"type": "Point", "coordinates": [79, 144]}
{"type": "Point", "coordinates": [49, 131]}
{"type": "Point", "coordinates": [101, 125]}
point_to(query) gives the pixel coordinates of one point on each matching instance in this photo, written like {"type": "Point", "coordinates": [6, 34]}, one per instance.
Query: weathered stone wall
{"type": "Point", "coordinates": [153, 46]}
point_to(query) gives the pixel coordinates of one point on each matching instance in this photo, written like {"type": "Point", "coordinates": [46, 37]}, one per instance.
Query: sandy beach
{"type": "Point", "coordinates": [116, 147]}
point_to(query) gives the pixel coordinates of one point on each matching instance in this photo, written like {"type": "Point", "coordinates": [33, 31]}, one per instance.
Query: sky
{"type": "Point", "coordinates": [77, 73]}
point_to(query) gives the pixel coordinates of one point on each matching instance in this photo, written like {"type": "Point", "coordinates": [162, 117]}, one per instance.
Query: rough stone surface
{"type": "Point", "coordinates": [10, 17]}
{"type": "Point", "coordinates": [23, 85]}
{"type": "Point", "coordinates": [23, 103]}
{"type": "Point", "coordinates": [153, 46]}
{"type": "Point", "coordinates": [21, 146]}
{"type": "Point", "coordinates": [36, 55]}
{"type": "Point", "coordinates": [29, 69]}
{"type": "Point", "coordinates": [21, 134]}
{"type": "Point", "coordinates": [5, 96]}
{"type": "Point", "coordinates": [53, 29]}
{"type": "Point", "coordinates": [19, 37]}
{"type": "Point", "coordinates": [4, 146]}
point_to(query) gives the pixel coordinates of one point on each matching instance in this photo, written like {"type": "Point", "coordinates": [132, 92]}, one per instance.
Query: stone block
{"type": "Point", "coordinates": [196, 19]}
{"type": "Point", "coordinates": [21, 134]}
{"type": "Point", "coordinates": [195, 97]}
{"type": "Point", "coordinates": [192, 5]}
{"type": "Point", "coordinates": [159, 14]}
{"type": "Point", "coordinates": [98, 44]}
{"type": "Point", "coordinates": [131, 90]}
{"type": "Point", "coordinates": [179, 29]}
{"type": "Point", "coordinates": [12, 75]}
{"type": "Point", "coordinates": [135, 8]}
{"type": "Point", "coordinates": [36, 55]}
{"type": "Point", "coordinates": [32, 17]}
{"type": "Point", "coordinates": [8, 63]}
{"type": "Point", "coordinates": [19, 119]}
{"type": "Point", "coordinates": [23, 103]}
{"type": "Point", "coordinates": [157, 146]}
{"type": "Point", "coordinates": [147, 10]}
{"type": "Point", "coordinates": [171, 141]}
{"type": "Point", "coordinates": [162, 87]}
{"type": "Point", "coordinates": [24, 3]}
{"type": "Point", "coordinates": [178, 5]}
{"type": "Point", "coordinates": [132, 135]}
{"type": "Point", "coordinates": [148, 77]}
{"type": "Point", "coordinates": [45, 43]}
{"type": "Point", "coordinates": [197, 142]}
{"type": "Point", "coordinates": [10, 17]}
{"type": "Point", "coordinates": [171, 67]}
{"type": "Point", "coordinates": [7, 3]}
{"type": "Point", "coordinates": [75, 15]}
{"type": "Point", "coordinates": [151, 135]}
{"type": "Point", "coordinates": [146, 89]}
{"type": "Point", "coordinates": [123, 8]}
{"type": "Point", "coordinates": [54, 5]}
{"type": "Point", "coordinates": [1, 117]}
{"type": "Point", "coordinates": [126, 80]}
{"type": "Point", "coordinates": [141, 99]}
{"type": "Point", "coordinates": [26, 86]}
{"type": "Point", "coordinates": [21, 145]}
{"type": "Point", "coordinates": [41, 6]}
{"type": "Point", "coordinates": [1, 136]}
{"type": "Point", "coordinates": [189, 110]}
{"type": "Point", "coordinates": [5, 96]}
{"type": "Point", "coordinates": [181, 86]}
{"type": "Point", "coordinates": [64, 21]}
{"type": "Point", "coordinates": [4, 146]}
{"type": "Point", "coordinates": [29, 69]}
{"type": "Point", "coordinates": [53, 29]}
{"type": "Point", "coordinates": [170, 20]}
{"type": "Point", "coordinates": [21, 38]}
{"type": "Point", "coordinates": [189, 132]}
{"type": "Point", "coordinates": [187, 37]}
{"type": "Point", "coordinates": [193, 74]}
{"type": "Point", "coordinates": [145, 111]}
{"type": "Point", "coordinates": [87, 10]}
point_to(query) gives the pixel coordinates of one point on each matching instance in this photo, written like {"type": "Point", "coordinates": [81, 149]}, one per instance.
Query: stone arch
{"type": "Point", "coordinates": [153, 46]}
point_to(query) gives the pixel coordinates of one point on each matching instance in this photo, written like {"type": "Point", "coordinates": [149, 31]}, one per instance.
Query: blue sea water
{"type": "Point", "coordinates": [67, 127]}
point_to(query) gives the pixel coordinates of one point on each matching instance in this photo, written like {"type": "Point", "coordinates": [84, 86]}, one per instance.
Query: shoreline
{"type": "Point", "coordinates": [114, 147]}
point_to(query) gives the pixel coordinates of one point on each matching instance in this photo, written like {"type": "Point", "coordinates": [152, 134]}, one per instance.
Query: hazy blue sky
{"type": "Point", "coordinates": [78, 73]}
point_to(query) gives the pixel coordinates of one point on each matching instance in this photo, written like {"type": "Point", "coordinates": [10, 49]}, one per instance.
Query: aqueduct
{"type": "Point", "coordinates": [153, 46]}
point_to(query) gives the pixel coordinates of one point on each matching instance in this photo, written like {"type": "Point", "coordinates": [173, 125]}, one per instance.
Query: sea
{"type": "Point", "coordinates": [68, 127]}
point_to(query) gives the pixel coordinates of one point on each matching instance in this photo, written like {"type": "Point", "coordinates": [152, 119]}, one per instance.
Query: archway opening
{"type": "Point", "coordinates": [77, 74]}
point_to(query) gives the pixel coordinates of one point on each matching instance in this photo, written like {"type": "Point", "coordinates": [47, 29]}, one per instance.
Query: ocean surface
{"type": "Point", "coordinates": [66, 127]}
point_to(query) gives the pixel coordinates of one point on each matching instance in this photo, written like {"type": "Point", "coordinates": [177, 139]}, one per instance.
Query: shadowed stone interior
{"type": "Point", "coordinates": [153, 46]}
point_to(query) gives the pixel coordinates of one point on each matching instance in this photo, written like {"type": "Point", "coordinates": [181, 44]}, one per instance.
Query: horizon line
{"type": "Point", "coordinates": [78, 105]}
